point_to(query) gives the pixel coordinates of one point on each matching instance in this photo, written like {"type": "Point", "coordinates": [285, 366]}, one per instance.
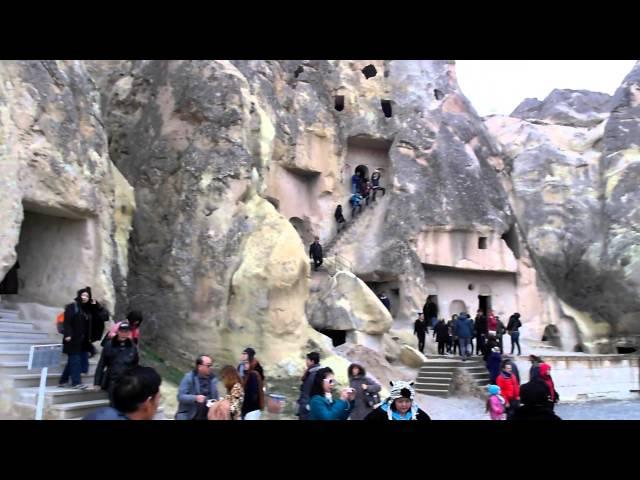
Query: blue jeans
{"type": "Point", "coordinates": [515, 340]}
{"type": "Point", "coordinates": [464, 343]}
{"type": "Point", "coordinates": [77, 364]}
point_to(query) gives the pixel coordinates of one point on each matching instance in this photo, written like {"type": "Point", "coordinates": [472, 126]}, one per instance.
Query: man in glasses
{"type": "Point", "coordinates": [196, 389]}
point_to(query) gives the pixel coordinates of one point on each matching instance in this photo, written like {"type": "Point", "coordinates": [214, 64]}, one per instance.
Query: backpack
{"type": "Point", "coordinates": [60, 320]}
{"type": "Point", "coordinates": [60, 323]}
{"type": "Point", "coordinates": [371, 399]}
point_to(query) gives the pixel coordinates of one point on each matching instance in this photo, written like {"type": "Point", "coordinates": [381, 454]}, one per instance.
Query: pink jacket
{"type": "Point", "coordinates": [496, 408]}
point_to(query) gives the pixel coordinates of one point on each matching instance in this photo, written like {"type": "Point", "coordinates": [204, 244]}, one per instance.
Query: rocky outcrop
{"type": "Point", "coordinates": [573, 190]}
{"type": "Point", "coordinates": [576, 108]}
{"type": "Point", "coordinates": [348, 304]}
{"type": "Point", "coordinates": [411, 357]}
{"type": "Point", "coordinates": [58, 207]}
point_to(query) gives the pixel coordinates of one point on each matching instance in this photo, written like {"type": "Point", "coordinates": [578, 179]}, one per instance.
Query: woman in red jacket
{"type": "Point", "coordinates": [510, 389]}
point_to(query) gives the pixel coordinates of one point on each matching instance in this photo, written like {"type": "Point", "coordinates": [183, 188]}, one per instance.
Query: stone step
{"type": "Point", "coordinates": [433, 392]}
{"type": "Point", "coordinates": [438, 369]}
{"type": "Point", "coordinates": [65, 411]}
{"type": "Point", "coordinates": [15, 355]}
{"type": "Point", "coordinates": [434, 381]}
{"type": "Point", "coordinates": [18, 367]}
{"type": "Point", "coordinates": [56, 396]}
{"type": "Point", "coordinates": [23, 380]}
{"type": "Point", "coordinates": [15, 325]}
{"type": "Point", "coordinates": [25, 343]}
{"type": "Point", "coordinates": [433, 386]}
{"type": "Point", "coordinates": [443, 375]}
{"type": "Point", "coordinates": [23, 335]}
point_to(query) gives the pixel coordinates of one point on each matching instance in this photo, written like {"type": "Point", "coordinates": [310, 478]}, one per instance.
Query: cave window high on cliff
{"type": "Point", "coordinates": [298, 71]}
{"type": "Point", "coordinates": [338, 102]}
{"type": "Point", "coordinates": [484, 303]}
{"type": "Point", "coordinates": [438, 94]}
{"type": "Point", "coordinates": [369, 71]}
{"type": "Point", "coordinates": [386, 108]}
{"type": "Point", "coordinates": [482, 243]}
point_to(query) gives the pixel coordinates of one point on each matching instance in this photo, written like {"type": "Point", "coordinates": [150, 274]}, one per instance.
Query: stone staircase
{"type": "Point", "coordinates": [328, 248]}
{"type": "Point", "coordinates": [16, 337]}
{"type": "Point", "coordinates": [436, 374]}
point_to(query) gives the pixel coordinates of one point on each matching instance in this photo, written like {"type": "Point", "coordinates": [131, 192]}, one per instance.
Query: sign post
{"type": "Point", "coordinates": [43, 356]}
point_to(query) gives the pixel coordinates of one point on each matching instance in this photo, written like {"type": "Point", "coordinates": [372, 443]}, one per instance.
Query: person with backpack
{"type": "Point", "coordinates": [513, 329]}
{"type": "Point", "coordinates": [252, 379]}
{"type": "Point", "coordinates": [495, 404]}
{"type": "Point", "coordinates": [494, 361]}
{"type": "Point", "coordinates": [313, 365]}
{"type": "Point", "coordinates": [83, 324]}
{"type": "Point", "coordinates": [118, 355]}
{"type": "Point", "coordinates": [375, 184]}
{"type": "Point", "coordinates": [366, 392]}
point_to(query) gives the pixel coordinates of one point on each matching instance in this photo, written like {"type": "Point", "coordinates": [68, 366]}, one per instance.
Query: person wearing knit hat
{"type": "Point", "coordinates": [400, 405]}
{"type": "Point", "coordinates": [495, 403]}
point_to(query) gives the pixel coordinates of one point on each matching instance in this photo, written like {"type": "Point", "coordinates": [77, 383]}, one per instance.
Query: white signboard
{"type": "Point", "coordinates": [43, 356]}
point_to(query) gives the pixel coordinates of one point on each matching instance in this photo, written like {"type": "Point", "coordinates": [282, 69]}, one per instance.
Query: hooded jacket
{"type": "Point", "coordinates": [508, 386]}
{"type": "Point", "coordinates": [545, 376]}
{"type": "Point", "coordinates": [84, 323]}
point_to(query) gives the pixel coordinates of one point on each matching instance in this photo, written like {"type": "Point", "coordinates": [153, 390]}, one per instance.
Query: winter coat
{"type": "Point", "coordinates": [365, 189]}
{"type": "Point", "coordinates": [509, 387]}
{"type": "Point", "coordinates": [420, 328]}
{"type": "Point", "coordinates": [496, 408]}
{"type": "Point", "coordinates": [441, 332]}
{"type": "Point", "coordinates": [488, 346]}
{"type": "Point", "coordinates": [84, 323]}
{"type": "Point", "coordinates": [253, 392]}
{"type": "Point", "coordinates": [463, 327]}
{"type": "Point", "coordinates": [514, 324]}
{"type": "Point", "coordinates": [360, 407]}
{"type": "Point", "coordinates": [188, 390]}
{"type": "Point", "coordinates": [481, 325]}
{"type": "Point", "coordinates": [493, 365]}
{"type": "Point", "coordinates": [116, 358]}
{"type": "Point", "coordinates": [375, 179]}
{"type": "Point", "coordinates": [356, 180]}
{"type": "Point", "coordinates": [492, 323]}
{"type": "Point", "coordinates": [305, 391]}
{"type": "Point", "coordinates": [380, 414]}
{"type": "Point", "coordinates": [324, 409]}
{"type": "Point", "coordinates": [113, 331]}
{"type": "Point", "coordinates": [338, 214]}
{"type": "Point", "coordinates": [355, 200]}
{"type": "Point", "coordinates": [315, 250]}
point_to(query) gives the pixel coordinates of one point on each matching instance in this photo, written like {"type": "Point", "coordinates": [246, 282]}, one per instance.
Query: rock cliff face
{"type": "Point", "coordinates": [237, 165]}
{"type": "Point", "coordinates": [575, 196]}
{"type": "Point", "coordinates": [65, 210]}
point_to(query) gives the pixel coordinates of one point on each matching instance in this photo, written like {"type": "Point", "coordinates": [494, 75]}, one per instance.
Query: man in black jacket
{"type": "Point", "coordinates": [315, 252]}
{"type": "Point", "coordinates": [83, 324]}
{"type": "Point", "coordinates": [480, 331]}
{"type": "Point", "coordinates": [119, 355]}
{"type": "Point", "coordinates": [536, 403]}
{"type": "Point", "coordinates": [313, 365]}
{"type": "Point", "coordinates": [420, 329]}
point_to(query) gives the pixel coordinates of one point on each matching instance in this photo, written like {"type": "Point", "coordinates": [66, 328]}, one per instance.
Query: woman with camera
{"type": "Point", "coordinates": [322, 405]}
{"type": "Point", "coordinates": [366, 391]}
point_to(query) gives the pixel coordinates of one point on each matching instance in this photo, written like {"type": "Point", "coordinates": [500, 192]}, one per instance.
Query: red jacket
{"type": "Point", "coordinates": [509, 388]}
